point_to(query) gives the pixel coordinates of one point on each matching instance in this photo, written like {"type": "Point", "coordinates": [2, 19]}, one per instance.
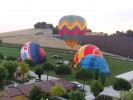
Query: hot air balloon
{"type": "Point", "coordinates": [71, 28]}
{"type": "Point", "coordinates": [93, 62]}
{"type": "Point", "coordinates": [85, 50]}
{"type": "Point", "coordinates": [34, 51]}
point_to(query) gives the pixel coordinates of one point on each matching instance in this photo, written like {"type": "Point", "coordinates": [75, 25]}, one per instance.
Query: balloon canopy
{"type": "Point", "coordinates": [93, 62]}
{"type": "Point", "coordinates": [85, 50]}
{"type": "Point", "coordinates": [34, 51]}
{"type": "Point", "coordinates": [71, 28]}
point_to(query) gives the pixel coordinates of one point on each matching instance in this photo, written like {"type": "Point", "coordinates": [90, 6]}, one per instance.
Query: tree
{"type": "Point", "coordinates": [11, 67]}
{"type": "Point", "coordinates": [63, 70]}
{"type": "Point", "coordinates": [84, 74]}
{"type": "Point", "coordinates": [47, 67]}
{"type": "Point", "coordinates": [89, 31]}
{"type": "Point", "coordinates": [43, 25]}
{"type": "Point", "coordinates": [122, 84]}
{"type": "Point", "coordinates": [31, 62]}
{"type": "Point", "coordinates": [24, 68]}
{"type": "Point", "coordinates": [77, 95]}
{"type": "Point", "coordinates": [37, 93]}
{"type": "Point", "coordinates": [126, 95]}
{"type": "Point", "coordinates": [1, 56]}
{"type": "Point", "coordinates": [55, 30]}
{"type": "Point", "coordinates": [58, 90]}
{"type": "Point", "coordinates": [97, 73]}
{"type": "Point", "coordinates": [129, 33]}
{"type": "Point", "coordinates": [39, 71]}
{"type": "Point", "coordinates": [96, 87]}
{"type": "Point", "coordinates": [103, 78]}
{"type": "Point", "coordinates": [37, 25]}
{"type": "Point", "coordinates": [11, 58]}
{"type": "Point", "coordinates": [3, 76]}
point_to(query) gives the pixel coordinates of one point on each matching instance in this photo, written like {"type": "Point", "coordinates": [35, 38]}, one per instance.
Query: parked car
{"type": "Point", "coordinates": [56, 56]}
{"type": "Point", "coordinates": [59, 62]}
{"type": "Point", "coordinates": [78, 85]}
{"type": "Point", "coordinates": [38, 80]}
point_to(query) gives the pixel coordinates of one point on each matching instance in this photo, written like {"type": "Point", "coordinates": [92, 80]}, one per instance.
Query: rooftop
{"type": "Point", "coordinates": [46, 86]}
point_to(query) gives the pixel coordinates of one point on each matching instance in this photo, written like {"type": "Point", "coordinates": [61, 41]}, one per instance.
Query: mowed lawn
{"type": "Point", "coordinates": [116, 66]}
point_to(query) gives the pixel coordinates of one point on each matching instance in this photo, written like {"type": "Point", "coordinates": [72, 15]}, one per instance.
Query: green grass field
{"type": "Point", "coordinates": [116, 66]}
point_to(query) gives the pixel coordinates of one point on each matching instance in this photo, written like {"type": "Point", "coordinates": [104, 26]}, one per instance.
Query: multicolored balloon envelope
{"type": "Point", "coordinates": [34, 51]}
{"type": "Point", "coordinates": [85, 50]}
{"type": "Point", "coordinates": [93, 62]}
{"type": "Point", "coordinates": [71, 28]}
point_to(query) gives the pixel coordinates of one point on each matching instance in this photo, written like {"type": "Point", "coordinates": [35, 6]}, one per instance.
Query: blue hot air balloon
{"type": "Point", "coordinates": [34, 51]}
{"type": "Point", "coordinates": [93, 62]}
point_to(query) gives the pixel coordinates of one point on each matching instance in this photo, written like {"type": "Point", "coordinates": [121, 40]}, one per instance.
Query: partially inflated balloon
{"type": "Point", "coordinates": [34, 51]}
{"type": "Point", "coordinates": [71, 28]}
{"type": "Point", "coordinates": [93, 62]}
{"type": "Point", "coordinates": [85, 50]}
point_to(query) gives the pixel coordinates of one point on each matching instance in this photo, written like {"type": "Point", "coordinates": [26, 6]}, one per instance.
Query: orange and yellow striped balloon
{"type": "Point", "coordinates": [85, 50]}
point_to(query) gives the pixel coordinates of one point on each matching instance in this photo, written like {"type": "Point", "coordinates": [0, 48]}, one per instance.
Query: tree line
{"type": "Point", "coordinates": [128, 33]}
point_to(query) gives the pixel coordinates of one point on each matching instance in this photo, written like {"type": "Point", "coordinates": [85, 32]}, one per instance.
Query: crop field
{"type": "Point", "coordinates": [116, 66]}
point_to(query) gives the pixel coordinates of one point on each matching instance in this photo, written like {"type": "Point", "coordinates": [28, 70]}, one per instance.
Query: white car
{"type": "Point", "coordinates": [77, 84]}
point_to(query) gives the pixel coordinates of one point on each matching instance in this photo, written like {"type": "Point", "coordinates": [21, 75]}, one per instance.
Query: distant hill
{"type": "Point", "coordinates": [113, 44]}
{"type": "Point", "coordinates": [27, 35]}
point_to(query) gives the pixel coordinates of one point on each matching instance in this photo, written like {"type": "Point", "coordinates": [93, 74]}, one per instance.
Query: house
{"type": "Point", "coordinates": [22, 92]}
{"type": "Point", "coordinates": [15, 94]}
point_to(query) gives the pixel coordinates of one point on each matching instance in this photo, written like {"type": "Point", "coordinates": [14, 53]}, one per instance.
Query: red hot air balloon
{"type": "Point", "coordinates": [85, 50]}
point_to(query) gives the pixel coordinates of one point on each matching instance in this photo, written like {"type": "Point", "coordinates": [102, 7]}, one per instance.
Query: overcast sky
{"type": "Point", "coordinates": [101, 15]}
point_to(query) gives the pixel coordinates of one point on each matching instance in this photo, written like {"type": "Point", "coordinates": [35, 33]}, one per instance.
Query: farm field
{"type": "Point", "coordinates": [116, 66]}
{"type": "Point", "coordinates": [13, 41]}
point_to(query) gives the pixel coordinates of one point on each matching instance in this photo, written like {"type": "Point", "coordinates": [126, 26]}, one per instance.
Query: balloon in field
{"type": "Point", "coordinates": [85, 50]}
{"type": "Point", "coordinates": [93, 62]}
{"type": "Point", "coordinates": [71, 28]}
{"type": "Point", "coordinates": [34, 51]}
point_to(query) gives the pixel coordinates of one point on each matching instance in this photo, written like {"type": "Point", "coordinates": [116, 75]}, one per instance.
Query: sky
{"type": "Point", "coordinates": [106, 16]}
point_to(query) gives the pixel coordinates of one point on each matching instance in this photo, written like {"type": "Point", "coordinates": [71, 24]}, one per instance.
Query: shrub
{"type": "Point", "coordinates": [11, 58]}
{"type": "Point", "coordinates": [1, 56]}
{"type": "Point", "coordinates": [103, 78]}
{"type": "Point", "coordinates": [31, 62]}
{"type": "Point", "coordinates": [127, 95]}
{"type": "Point", "coordinates": [104, 97]}
{"type": "Point", "coordinates": [96, 87]}
{"type": "Point", "coordinates": [122, 84]}
{"type": "Point", "coordinates": [77, 95]}
{"type": "Point", "coordinates": [97, 73]}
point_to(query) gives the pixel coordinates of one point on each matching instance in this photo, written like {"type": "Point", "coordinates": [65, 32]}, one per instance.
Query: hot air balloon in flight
{"type": "Point", "coordinates": [85, 50]}
{"type": "Point", "coordinates": [71, 28]}
{"type": "Point", "coordinates": [93, 62]}
{"type": "Point", "coordinates": [34, 51]}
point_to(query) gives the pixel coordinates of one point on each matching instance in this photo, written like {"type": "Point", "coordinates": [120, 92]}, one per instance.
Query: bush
{"type": "Point", "coordinates": [103, 78]}
{"type": "Point", "coordinates": [55, 30]}
{"type": "Point", "coordinates": [127, 95]}
{"type": "Point", "coordinates": [96, 87]}
{"type": "Point", "coordinates": [11, 58]}
{"type": "Point", "coordinates": [31, 62]}
{"type": "Point", "coordinates": [97, 73]}
{"type": "Point", "coordinates": [1, 56]}
{"type": "Point", "coordinates": [104, 97]}
{"type": "Point", "coordinates": [122, 84]}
